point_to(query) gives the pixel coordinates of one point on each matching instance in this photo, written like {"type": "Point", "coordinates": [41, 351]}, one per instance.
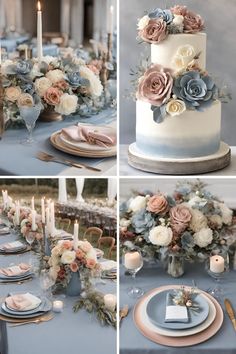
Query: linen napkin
{"type": "Point", "coordinates": [95, 135]}
{"type": "Point", "coordinates": [22, 302]}
{"type": "Point", "coordinates": [175, 313]}
{"type": "Point", "coordinates": [108, 265]}
{"type": "Point", "coordinates": [12, 245]}
{"type": "Point", "coordinates": [22, 268]}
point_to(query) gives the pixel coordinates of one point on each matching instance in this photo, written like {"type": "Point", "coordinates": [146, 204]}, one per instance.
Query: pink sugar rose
{"type": "Point", "coordinates": [154, 32]}
{"type": "Point", "coordinates": [52, 96]}
{"type": "Point", "coordinates": [74, 267]}
{"type": "Point", "coordinates": [180, 217]}
{"type": "Point", "coordinates": [157, 204]}
{"type": "Point", "coordinates": [179, 10]}
{"type": "Point", "coordinates": [155, 85]}
{"type": "Point", "coordinates": [193, 23]}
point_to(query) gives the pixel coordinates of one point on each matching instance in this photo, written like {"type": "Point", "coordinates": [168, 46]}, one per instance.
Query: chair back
{"type": "Point", "coordinates": [93, 235]}
{"type": "Point", "coordinates": [106, 244]}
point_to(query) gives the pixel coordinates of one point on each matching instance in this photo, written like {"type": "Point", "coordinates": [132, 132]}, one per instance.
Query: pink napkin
{"type": "Point", "coordinates": [94, 135]}
{"type": "Point", "coordinates": [15, 270]}
{"type": "Point", "coordinates": [18, 302]}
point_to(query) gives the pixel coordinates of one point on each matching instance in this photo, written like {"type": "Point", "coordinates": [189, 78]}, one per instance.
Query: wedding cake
{"type": "Point", "coordinates": [178, 107]}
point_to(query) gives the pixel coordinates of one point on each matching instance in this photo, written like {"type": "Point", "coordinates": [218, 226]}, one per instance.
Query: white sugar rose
{"type": "Point", "coordinates": [198, 220]}
{"type": "Point", "coordinates": [216, 221]}
{"type": "Point", "coordinates": [68, 257]}
{"type": "Point", "coordinates": [124, 222]}
{"type": "Point", "coordinates": [227, 213]}
{"type": "Point", "coordinates": [143, 22]}
{"type": "Point", "coordinates": [95, 88]}
{"type": "Point", "coordinates": [204, 237]}
{"type": "Point", "coordinates": [161, 236]}
{"type": "Point", "coordinates": [175, 107]}
{"type": "Point", "coordinates": [183, 57]}
{"type": "Point", "coordinates": [55, 75]}
{"type": "Point", "coordinates": [67, 105]}
{"type": "Point", "coordinates": [137, 203]}
{"type": "Point", "coordinates": [12, 93]}
{"type": "Point", "coordinates": [42, 85]}
{"type": "Point", "coordinates": [178, 20]}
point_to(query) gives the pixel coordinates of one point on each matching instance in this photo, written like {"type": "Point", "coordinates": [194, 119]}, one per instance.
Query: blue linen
{"type": "Point", "coordinates": [133, 342]}
{"type": "Point", "coordinates": [68, 332]}
{"type": "Point", "coordinates": [18, 159]}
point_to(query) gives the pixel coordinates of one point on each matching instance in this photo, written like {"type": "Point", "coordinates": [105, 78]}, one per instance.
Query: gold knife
{"type": "Point", "coordinates": [230, 312]}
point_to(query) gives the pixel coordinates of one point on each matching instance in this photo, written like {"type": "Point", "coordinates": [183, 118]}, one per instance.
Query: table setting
{"type": "Point", "coordinates": [179, 250]}
{"type": "Point", "coordinates": [60, 284]}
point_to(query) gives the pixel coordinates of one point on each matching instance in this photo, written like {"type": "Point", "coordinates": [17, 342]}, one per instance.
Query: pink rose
{"type": "Point", "coordinates": [155, 85]}
{"type": "Point", "coordinates": [62, 85]}
{"type": "Point", "coordinates": [67, 244]}
{"type": "Point", "coordinates": [180, 217]}
{"type": "Point", "coordinates": [154, 32]}
{"type": "Point", "coordinates": [193, 23]}
{"type": "Point", "coordinates": [52, 96]}
{"type": "Point", "coordinates": [74, 267]}
{"type": "Point", "coordinates": [93, 68]}
{"type": "Point", "coordinates": [90, 263]}
{"type": "Point", "coordinates": [179, 10]}
{"type": "Point", "coordinates": [157, 204]}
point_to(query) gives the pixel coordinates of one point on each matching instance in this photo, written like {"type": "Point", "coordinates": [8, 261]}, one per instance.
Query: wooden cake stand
{"type": "Point", "coordinates": [184, 166]}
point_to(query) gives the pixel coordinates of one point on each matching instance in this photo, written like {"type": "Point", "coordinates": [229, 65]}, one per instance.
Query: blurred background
{"type": "Point", "coordinates": [220, 24]}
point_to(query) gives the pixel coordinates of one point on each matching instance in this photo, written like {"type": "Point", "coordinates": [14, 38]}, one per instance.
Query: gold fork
{"type": "Point", "coordinates": [37, 321]}
{"type": "Point", "coordinates": [43, 156]}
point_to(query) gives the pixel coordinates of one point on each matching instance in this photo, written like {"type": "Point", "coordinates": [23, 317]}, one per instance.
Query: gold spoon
{"type": "Point", "coordinates": [37, 321]}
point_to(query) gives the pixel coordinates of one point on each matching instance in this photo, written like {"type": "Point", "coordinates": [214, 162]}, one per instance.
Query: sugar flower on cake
{"type": "Point", "coordinates": [175, 107]}
{"type": "Point", "coordinates": [184, 55]}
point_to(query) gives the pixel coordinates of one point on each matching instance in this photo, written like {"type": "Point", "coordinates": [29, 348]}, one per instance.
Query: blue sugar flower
{"type": "Point", "coordinates": [159, 113]}
{"type": "Point", "coordinates": [196, 90]}
{"type": "Point", "coordinates": [166, 15]}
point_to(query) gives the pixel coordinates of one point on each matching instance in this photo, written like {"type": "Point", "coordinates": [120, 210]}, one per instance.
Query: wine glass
{"type": "Point", "coordinates": [133, 262]}
{"type": "Point", "coordinates": [30, 237]}
{"type": "Point", "coordinates": [46, 282]}
{"type": "Point", "coordinates": [30, 116]}
{"type": "Point", "coordinates": [217, 266]}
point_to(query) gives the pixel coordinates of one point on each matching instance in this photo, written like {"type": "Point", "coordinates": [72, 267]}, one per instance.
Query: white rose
{"type": "Point", "coordinates": [124, 222]}
{"type": "Point", "coordinates": [161, 236]}
{"type": "Point", "coordinates": [197, 201]}
{"type": "Point", "coordinates": [198, 220]}
{"type": "Point", "coordinates": [216, 220]}
{"type": "Point", "coordinates": [67, 105]}
{"type": "Point", "coordinates": [227, 213]}
{"type": "Point", "coordinates": [68, 257]}
{"type": "Point", "coordinates": [175, 107]}
{"type": "Point", "coordinates": [55, 75]}
{"type": "Point", "coordinates": [95, 88]}
{"type": "Point", "coordinates": [203, 237]}
{"type": "Point", "coordinates": [137, 204]}
{"type": "Point", "coordinates": [178, 20]}
{"type": "Point", "coordinates": [92, 254]}
{"type": "Point", "coordinates": [42, 85]}
{"type": "Point", "coordinates": [5, 66]}
{"type": "Point", "coordinates": [183, 57]}
{"type": "Point", "coordinates": [143, 22]}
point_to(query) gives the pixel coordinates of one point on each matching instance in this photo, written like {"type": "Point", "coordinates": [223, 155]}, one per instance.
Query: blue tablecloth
{"type": "Point", "coordinates": [19, 159]}
{"type": "Point", "coordinates": [133, 342]}
{"type": "Point", "coordinates": [68, 332]}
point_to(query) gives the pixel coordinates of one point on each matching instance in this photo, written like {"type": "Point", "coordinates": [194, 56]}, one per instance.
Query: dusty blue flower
{"type": "Point", "coordinates": [142, 221]}
{"type": "Point", "coordinates": [27, 87]}
{"type": "Point", "coordinates": [196, 90]}
{"type": "Point", "coordinates": [23, 67]}
{"type": "Point", "coordinates": [75, 80]}
{"type": "Point", "coordinates": [166, 15]}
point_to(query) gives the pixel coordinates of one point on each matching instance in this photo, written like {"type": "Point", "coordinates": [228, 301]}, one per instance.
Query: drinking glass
{"type": "Point", "coordinates": [30, 237]}
{"type": "Point", "coordinates": [133, 262]}
{"type": "Point", "coordinates": [30, 116]}
{"type": "Point", "coordinates": [46, 283]}
{"type": "Point", "coordinates": [217, 291]}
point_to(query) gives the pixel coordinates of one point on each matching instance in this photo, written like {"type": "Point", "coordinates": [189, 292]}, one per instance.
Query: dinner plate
{"type": "Point", "coordinates": [14, 250]}
{"type": "Point", "coordinates": [177, 333]}
{"type": "Point", "coordinates": [11, 279]}
{"type": "Point", "coordinates": [28, 272]}
{"type": "Point", "coordinates": [45, 306]}
{"type": "Point", "coordinates": [156, 309]}
{"type": "Point", "coordinates": [59, 145]}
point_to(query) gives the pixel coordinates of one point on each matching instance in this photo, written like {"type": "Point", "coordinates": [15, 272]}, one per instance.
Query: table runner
{"type": "Point", "coordinates": [18, 159]}
{"type": "Point", "coordinates": [68, 332]}
{"type": "Point", "coordinates": [132, 341]}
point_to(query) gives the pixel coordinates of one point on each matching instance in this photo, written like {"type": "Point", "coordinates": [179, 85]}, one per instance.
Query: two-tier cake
{"type": "Point", "coordinates": [178, 108]}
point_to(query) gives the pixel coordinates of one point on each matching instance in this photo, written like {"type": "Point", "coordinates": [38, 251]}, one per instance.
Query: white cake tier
{"type": "Point", "coordinates": [191, 134]}
{"type": "Point", "coordinates": [164, 52]}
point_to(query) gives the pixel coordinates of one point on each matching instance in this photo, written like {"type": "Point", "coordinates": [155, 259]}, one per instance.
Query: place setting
{"type": "Point", "coordinates": [16, 273]}
{"type": "Point", "coordinates": [15, 247]}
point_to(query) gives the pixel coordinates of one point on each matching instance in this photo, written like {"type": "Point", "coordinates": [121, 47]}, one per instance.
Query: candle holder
{"type": "Point", "coordinates": [217, 291]}
{"type": "Point", "coordinates": [133, 267]}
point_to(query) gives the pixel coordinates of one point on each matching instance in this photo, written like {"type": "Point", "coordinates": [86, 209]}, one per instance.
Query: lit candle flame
{"type": "Point", "coordinates": [39, 6]}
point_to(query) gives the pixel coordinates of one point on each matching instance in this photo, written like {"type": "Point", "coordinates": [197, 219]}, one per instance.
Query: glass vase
{"type": "Point", "coordinates": [175, 265]}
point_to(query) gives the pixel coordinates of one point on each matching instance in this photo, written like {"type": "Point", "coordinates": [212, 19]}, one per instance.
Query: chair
{"type": "Point", "coordinates": [60, 39]}
{"type": "Point", "coordinates": [113, 253]}
{"type": "Point", "coordinates": [93, 234]}
{"type": "Point", "coordinates": [64, 224]}
{"type": "Point", "coordinates": [109, 225]}
{"type": "Point", "coordinates": [106, 244]}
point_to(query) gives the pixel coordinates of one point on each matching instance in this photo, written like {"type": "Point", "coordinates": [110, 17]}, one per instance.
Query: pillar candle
{"type": "Point", "coordinates": [217, 264]}
{"type": "Point", "coordinates": [39, 33]}
{"type": "Point", "coordinates": [33, 216]}
{"type": "Point", "coordinates": [76, 235]}
{"type": "Point", "coordinates": [110, 19]}
{"type": "Point", "coordinates": [110, 301]}
{"type": "Point", "coordinates": [43, 209]}
{"type": "Point", "coordinates": [133, 260]}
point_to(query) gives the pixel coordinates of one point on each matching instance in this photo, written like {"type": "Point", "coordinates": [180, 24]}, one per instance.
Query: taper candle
{"type": "Point", "coordinates": [76, 235]}
{"type": "Point", "coordinates": [39, 33]}
{"type": "Point", "coordinates": [43, 209]}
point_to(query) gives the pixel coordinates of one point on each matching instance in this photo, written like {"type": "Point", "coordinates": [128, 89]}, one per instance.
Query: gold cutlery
{"type": "Point", "coordinates": [124, 312]}
{"type": "Point", "coordinates": [230, 312]}
{"type": "Point", "coordinates": [45, 318]}
{"type": "Point", "coordinates": [43, 156]}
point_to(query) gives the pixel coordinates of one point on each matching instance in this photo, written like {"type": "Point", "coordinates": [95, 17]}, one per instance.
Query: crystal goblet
{"type": "Point", "coordinates": [30, 116]}
{"type": "Point", "coordinates": [133, 262]}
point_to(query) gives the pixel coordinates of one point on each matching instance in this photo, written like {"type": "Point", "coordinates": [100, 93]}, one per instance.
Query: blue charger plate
{"type": "Point", "coordinates": [45, 306]}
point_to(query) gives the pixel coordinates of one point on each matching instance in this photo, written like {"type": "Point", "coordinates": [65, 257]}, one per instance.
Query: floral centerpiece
{"type": "Point", "coordinates": [65, 86]}
{"type": "Point", "coordinates": [190, 224]}
{"type": "Point", "coordinates": [67, 264]}
{"type": "Point", "coordinates": [24, 213]}
{"type": "Point", "coordinates": [26, 226]}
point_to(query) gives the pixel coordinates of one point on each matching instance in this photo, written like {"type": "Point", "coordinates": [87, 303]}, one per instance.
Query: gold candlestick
{"type": "Point", "coordinates": [2, 123]}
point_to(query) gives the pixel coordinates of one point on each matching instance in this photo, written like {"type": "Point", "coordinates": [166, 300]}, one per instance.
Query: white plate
{"type": "Point", "coordinates": [178, 333]}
